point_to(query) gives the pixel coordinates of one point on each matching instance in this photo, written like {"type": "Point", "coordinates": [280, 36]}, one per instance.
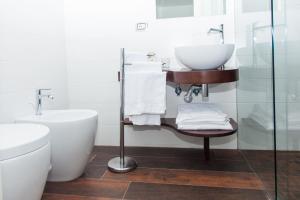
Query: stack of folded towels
{"type": "Point", "coordinates": [202, 117]}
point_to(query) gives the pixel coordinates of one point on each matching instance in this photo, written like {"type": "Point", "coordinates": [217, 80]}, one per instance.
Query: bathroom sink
{"type": "Point", "coordinates": [204, 57]}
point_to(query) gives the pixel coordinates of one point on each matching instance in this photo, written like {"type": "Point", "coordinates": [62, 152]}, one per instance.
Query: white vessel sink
{"type": "Point", "coordinates": [204, 57]}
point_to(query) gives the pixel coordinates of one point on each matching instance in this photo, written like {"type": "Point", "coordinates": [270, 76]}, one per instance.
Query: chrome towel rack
{"type": "Point", "coordinates": [122, 164]}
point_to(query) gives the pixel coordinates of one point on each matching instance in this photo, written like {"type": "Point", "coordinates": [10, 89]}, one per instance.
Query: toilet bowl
{"type": "Point", "coordinates": [24, 161]}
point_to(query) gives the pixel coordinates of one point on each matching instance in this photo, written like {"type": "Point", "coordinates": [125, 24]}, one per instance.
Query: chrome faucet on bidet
{"type": "Point", "coordinates": [39, 97]}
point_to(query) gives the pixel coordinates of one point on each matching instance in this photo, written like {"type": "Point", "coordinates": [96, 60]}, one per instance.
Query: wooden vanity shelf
{"type": "Point", "coordinates": [206, 134]}
{"type": "Point", "coordinates": [203, 76]}
{"type": "Point", "coordinates": [200, 77]}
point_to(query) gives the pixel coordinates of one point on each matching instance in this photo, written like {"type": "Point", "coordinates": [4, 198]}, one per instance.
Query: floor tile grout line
{"type": "Point", "coordinates": [250, 166]}
{"type": "Point", "coordinates": [197, 170]}
{"type": "Point", "coordinates": [144, 167]}
{"type": "Point", "coordinates": [187, 170]}
{"type": "Point", "coordinates": [199, 158]}
{"type": "Point", "coordinates": [129, 183]}
{"type": "Point", "coordinates": [101, 178]}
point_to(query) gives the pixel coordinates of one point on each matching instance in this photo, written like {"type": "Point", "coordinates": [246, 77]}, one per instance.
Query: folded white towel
{"type": "Point", "coordinates": [200, 112]}
{"type": "Point", "coordinates": [200, 123]}
{"type": "Point", "coordinates": [144, 67]}
{"type": "Point", "coordinates": [202, 117]}
{"type": "Point", "coordinates": [145, 93]}
{"type": "Point", "coordinates": [205, 126]}
{"type": "Point", "coordinates": [135, 57]}
{"type": "Point", "coordinates": [146, 119]}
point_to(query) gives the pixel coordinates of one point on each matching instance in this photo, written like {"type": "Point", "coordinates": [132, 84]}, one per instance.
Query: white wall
{"type": "Point", "coordinates": [32, 55]}
{"type": "Point", "coordinates": [1, 192]}
{"type": "Point", "coordinates": [95, 32]}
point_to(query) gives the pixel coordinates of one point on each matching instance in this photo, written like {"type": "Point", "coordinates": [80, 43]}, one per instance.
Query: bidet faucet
{"type": "Point", "coordinates": [219, 30]}
{"type": "Point", "coordinates": [39, 97]}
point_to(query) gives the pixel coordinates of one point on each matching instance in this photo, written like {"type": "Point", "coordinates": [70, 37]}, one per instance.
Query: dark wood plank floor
{"type": "Point", "coordinates": [164, 174]}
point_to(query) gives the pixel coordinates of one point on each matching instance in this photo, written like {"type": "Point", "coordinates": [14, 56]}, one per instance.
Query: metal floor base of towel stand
{"type": "Point", "coordinates": [122, 164]}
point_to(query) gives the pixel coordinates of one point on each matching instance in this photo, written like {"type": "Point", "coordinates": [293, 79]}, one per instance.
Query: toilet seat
{"type": "Point", "coordinates": [20, 139]}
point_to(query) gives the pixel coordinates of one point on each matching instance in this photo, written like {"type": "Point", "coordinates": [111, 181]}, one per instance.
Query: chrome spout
{"type": "Point", "coordinates": [218, 30]}
{"type": "Point", "coordinates": [39, 97]}
{"type": "Point", "coordinates": [195, 89]}
{"type": "Point", "coordinates": [188, 97]}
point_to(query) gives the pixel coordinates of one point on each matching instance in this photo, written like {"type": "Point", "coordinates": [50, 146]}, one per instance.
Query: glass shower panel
{"type": "Point", "coordinates": [287, 97]}
{"type": "Point", "coordinates": [254, 95]}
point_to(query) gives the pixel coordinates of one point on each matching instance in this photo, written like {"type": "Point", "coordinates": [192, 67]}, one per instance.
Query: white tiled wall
{"type": "Point", "coordinates": [32, 55]}
{"type": "Point", "coordinates": [95, 32]}
{"type": "Point", "coordinates": [1, 192]}
{"type": "Point", "coordinates": [79, 59]}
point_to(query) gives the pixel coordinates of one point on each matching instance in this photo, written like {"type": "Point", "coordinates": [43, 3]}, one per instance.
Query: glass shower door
{"type": "Point", "coordinates": [286, 25]}
{"type": "Point", "coordinates": [255, 89]}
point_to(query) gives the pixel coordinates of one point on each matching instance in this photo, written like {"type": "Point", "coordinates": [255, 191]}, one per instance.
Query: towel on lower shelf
{"type": "Point", "coordinates": [146, 119]}
{"type": "Point", "coordinates": [202, 117]}
{"type": "Point", "coordinates": [145, 93]}
{"type": "Point", "coordinates": [144, 67]}
{"type": "Point", "coordinates": [205, 126]}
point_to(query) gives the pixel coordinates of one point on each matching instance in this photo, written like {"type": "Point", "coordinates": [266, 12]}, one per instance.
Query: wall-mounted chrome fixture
{"type": "Point", "coordinates": [218, 30]}
{"type": "Point", "coordinates": [221, 31]}
{"type": "Point", "coordinates": [204, 90]}
{"type": "Point", "coordinates": [39, 97]}
{"type": "Point", "coordinates": [196, 89]}
{"type": "Point", "coordinates": [188, 97]}
{"type": "Point", "coordinates": [151, 56]}
{"type": "Point", "coordinates": [178, 90]}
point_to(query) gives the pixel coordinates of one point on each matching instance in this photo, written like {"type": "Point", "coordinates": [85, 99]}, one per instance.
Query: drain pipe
{"type": "Point", "coordinates": [204, 90]}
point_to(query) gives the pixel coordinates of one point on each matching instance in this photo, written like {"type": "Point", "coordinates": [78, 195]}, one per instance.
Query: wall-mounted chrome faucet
{"type": "Point", "coordinates": [39, 97]}
{"type": "Point", "coordinates": [218, 30]}
{"type": "Point", "coordinates": [196, 90]}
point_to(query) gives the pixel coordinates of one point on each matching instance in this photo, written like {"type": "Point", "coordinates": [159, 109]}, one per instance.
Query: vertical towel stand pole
{"type": "Point", "coordinates": [122, 164]}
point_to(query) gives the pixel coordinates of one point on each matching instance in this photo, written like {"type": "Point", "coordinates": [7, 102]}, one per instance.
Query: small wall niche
{"type": "Point", "coordinates": [255, 6]}
{"type": "Point", "coordinates": [174, 8]}
{"type": "Point", "coordinates": [188, 8]}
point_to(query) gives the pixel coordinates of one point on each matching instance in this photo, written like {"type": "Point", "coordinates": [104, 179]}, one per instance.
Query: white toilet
{"type": "Point", "coordinates": [24, 161]}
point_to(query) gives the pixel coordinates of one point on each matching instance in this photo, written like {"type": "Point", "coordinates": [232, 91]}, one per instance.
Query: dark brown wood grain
{"type": "Point", "coordinates": [72, 197]}
{"type": "Point", "coordinates": [94, 171]}
{"type": "Point", "coordinates": [149, 191]}
{"type": "Point", "coordinates": [88, 187]}
{"type": "Point", "coordinates": [192, 164]}
{"type": "Point", "coordinates": [203, 76]}
{"type": "Point", "coordinates": [241, 180]}
{"type": "Point", "coordinates": [170, 173]}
